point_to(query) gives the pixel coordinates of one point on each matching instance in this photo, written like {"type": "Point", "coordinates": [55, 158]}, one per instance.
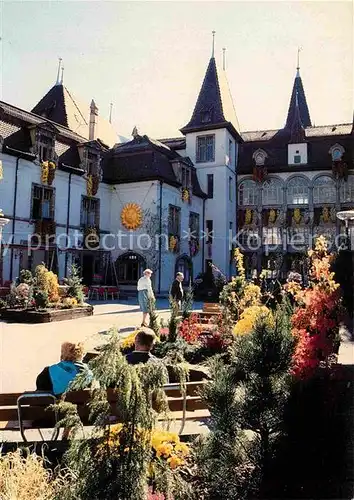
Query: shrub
{"type": "Point", "coordinates": [47, 281]}
{"type": "Point", "coordinates": [74, 283]}
{"type": "Point", "coordinates": [41, 299]}
{"type": "Point", "coordinates": [69, 302]}
{"type": "Point", "coordinates": [3, 304]}
{"type": "Point", "coordinates": [26, 277]}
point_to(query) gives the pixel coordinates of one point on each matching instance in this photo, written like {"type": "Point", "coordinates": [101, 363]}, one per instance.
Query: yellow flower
{"type": "Point", "coordinates": [175, 461]}
{"type": "Point", "coordinates": [182, 448]}
{"type": "Point", "coordinates": [128, 341]}
{"type": "Point", "coordinates": [249, 317]}
{"type": "Point", "coordinates": [44, 172]}
{"type": "Point", "coordinates": [248, 216]}
{"type": "Point", "coordinates": [173, 243]}
{"type": "Point", "coordinates": [239, 263]}
{"type": "Point", "coordinates": [272, 216]}
{"type": "Point", "coordinates": [251, 296]}
{"type": "Point", "coordinates": [164, 449]}
{"type": "Point", "coordinates": [89, 185]}
{"type": "Point", "coordinates": [131, 216]}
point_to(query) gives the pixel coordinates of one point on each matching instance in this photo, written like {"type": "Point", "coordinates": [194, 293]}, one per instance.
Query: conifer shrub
{"type": "Point", "coordinates": [116, 462]}
{"type": "Point", "coordinates": [247, 400]}
{"type": "Point", "coordinates": [74, 284]}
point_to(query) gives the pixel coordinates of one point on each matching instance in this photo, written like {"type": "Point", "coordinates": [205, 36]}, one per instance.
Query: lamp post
{"type": "Point", "coordinates": [346, 216]}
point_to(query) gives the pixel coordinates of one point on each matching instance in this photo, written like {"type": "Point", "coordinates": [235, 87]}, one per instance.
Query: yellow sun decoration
{"type": "Point", "coordinates": [131, 216]}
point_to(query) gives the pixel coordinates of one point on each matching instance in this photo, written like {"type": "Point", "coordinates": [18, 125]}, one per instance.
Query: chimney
{"type": "Point", "coordinates": [93, 120]}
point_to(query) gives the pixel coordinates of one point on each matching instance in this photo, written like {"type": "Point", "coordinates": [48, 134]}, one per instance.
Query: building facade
{"type": "Point", "coordinates": [77, 192]}
{"type": "Point", "coordinates": [291, 184]}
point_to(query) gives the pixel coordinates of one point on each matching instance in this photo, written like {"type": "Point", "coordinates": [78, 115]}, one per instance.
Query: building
{"type": "Point", "coordinates": [76, 192]}
{"type": "Point", "coordinates": [291, 184]}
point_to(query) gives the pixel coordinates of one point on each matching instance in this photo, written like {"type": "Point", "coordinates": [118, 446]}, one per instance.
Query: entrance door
{"type": "Point", "coordinates": [87, 269]}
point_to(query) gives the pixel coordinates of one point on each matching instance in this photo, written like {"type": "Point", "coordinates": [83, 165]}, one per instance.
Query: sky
{"type": "Point", "coordinates": [149, 58]}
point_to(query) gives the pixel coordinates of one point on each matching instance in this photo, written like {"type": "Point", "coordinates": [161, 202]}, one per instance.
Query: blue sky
{"type": "Point", "coordinates": [149, 58]}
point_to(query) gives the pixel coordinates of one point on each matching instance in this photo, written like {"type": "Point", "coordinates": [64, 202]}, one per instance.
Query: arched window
{"type": "Point", "coordinates": [248, 193]}
{"type": "Point", "coordinates": [324, 190]}
{"type": "Point", "coordinates": [272, 192]}
{"type": "Point", "coordinates": [346, 190]}
{"type": "Point", "coordinates": [298, 191]}
{"type": "Point", "coordinates": [130, 267]}
{"type": "Point", "coordinates": [184, 265]}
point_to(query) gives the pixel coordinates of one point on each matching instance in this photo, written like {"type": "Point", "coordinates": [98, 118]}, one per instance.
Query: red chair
{"type": "Point", "coordinates": [113, 291]}
{"type": "Point", "coordinates": [102, 293]}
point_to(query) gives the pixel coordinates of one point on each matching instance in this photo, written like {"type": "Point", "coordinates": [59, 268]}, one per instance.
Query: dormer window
{"type": "Point", "coordinates": [186, 177]}
{"type": "Point", "coordinates": [336, 152]}
{"type": "Point", "coordinates": [45, 146]}
{"type": "Point", "coordinates": [206, 116]}
{"type": "Point", "coordinates": [260, 157]}
{"type": "Point", "coordinates": [297, 154]}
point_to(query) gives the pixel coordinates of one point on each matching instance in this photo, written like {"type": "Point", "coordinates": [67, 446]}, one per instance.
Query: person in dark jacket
{"type": "Point", "coordinates": [176, 291]}
{"type": "Point", "coordinates": [56, 378]}
{"type": "Point", "coordinates": [144, 342]}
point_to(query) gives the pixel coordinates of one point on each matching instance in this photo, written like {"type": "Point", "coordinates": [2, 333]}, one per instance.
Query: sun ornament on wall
{"type": "Point", "coordinates": [131, 216]}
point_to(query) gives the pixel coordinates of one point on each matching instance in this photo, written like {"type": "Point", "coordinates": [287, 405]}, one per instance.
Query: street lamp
{"type": "Point", "coordinates": [346, 216]}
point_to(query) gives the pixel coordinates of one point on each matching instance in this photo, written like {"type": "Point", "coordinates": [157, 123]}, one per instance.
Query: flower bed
{"type": "Point", "coordinates": [47, 316]}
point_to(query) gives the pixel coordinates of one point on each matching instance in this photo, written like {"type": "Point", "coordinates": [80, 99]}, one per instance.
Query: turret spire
{"type": "Point", "coordinates": [224, 59]}
{"type": "Point", "coordinates": [62, 75]}
{"type": "Point", "coordinates": [298, 100]}
{"type": "Point", "coordinates": [58, 73]}
{"type": "Point", "coordinates": [213, 46]}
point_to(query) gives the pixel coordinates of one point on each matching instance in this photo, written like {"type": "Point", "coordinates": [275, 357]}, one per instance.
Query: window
{"type": "Point", "coordinates": [272, 192]}
{"type": "Point", "coordinates": [324, 190]}
{"type": "Point", "coordinates": [272, 236]}
{"type": "Point", "coordinates": [249, 238]}
{"type": "Point", "coordinates": [298, 237]}
{"type": "Point", "coordinates": [184, 265]}
{"type": "Point", "coordinates": [209, 231]}
{"type": "Point", "coordinates": [130, 267]}
{"type": "Point", "coordinates": [42, 202]}
{"type": "Point", "coordinates": [174, 220]}
{"type": "Point", "coordinates": [90, 212]}
{"type": "Point", "coordinates": [205, 148]}
{"type": "Point", "coordinates": [210, 185]}
{"type": "Point", "coordinates": [298, 191]}
{"type": "Point", "coordinates": [45, 147]}
{"type": "Point", "coordinates": [230, 152]}
{"type": "Point", "coordinates": [186, 177]}
{"type": "Point", "coordinates": [346, 190]}
{"type": "Point", "coordinates": [92, 163]}
{"type": "Point", "coordinates": [248, 193]}
{"type": "Point", "coordinates": [230, 189]}
{"type": "Point", "coordinates": [194, 225]}
{"type": "Point", "coordinates": [206, 116]}
{"type": "Point", "coordinates": [297, 157]}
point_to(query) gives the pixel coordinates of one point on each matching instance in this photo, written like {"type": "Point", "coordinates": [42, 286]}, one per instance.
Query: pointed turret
{"type": "Point", "coordinates": [297, 130]}
{"type": "Point", "coordinates": [214, 107]}
{"type": "Point", "coordinates": [298, 94]}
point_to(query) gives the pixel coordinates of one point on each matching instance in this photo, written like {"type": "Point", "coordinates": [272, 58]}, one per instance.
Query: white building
{"type": "Point", "coordinates": [116, 207]}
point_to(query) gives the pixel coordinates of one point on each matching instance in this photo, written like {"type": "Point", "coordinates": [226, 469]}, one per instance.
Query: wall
{"type": "Point", "coordinates": [220, 209]}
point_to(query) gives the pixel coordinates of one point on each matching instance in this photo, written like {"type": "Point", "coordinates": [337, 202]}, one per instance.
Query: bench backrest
{"type": "Point", "coordinates": [34, 407]}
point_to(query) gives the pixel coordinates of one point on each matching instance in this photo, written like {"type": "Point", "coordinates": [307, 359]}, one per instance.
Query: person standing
{"type": "Point", "coordinates": [176, 291]}
{"type": "Point", "coordinates": [145, 294]}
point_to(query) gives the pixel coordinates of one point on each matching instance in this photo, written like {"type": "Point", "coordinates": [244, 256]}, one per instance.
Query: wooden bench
{"type": "Point", "coordinates": [21, 412]}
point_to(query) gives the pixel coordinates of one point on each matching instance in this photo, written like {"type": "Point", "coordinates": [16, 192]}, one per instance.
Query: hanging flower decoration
{"type": "Point", "coordinates": [297, 217]}
{"type": "Point", "coordinates": [193, 247]}
{"type": "Point", "coordinates": [131, 216]}
{"type": "Point", "coordinates": [325, 215]}
{"type": "Point", "coordinates": [1, 171]}
{"type": "Point", "coordinates": [340, 170]}
{"type": "Point", "coordinates": [95, 184]}
{"type": "Point", "coordinates": [185, 195]}
{"type": "Point", "coordinates": [173, 243]}
{"type": "Point", "coordinates": [47, 172]}
{"type": "Point", "coordinates": [248, 216]}
{"type": "Point", "coordinates": [89, 186]}
{"type": "Point", "coordinates": [272, 216]}
{"type": "Point", "coordinates": [259, 173]}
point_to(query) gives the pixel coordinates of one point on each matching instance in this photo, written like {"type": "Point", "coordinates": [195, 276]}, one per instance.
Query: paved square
{"type": "Point", "coordinates": [26, 349]}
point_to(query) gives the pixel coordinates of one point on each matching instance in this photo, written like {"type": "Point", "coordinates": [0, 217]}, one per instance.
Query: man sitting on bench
{"type": "Point", "coordinates": [144, 342]}
{"type": "Point", "coordinates": [56, 378]}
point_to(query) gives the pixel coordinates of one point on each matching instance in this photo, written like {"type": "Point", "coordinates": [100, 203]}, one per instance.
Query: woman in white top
{"type": "Point", "coordinates": [145, 294]}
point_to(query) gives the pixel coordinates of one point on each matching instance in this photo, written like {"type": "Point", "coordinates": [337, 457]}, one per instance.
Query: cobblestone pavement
{"type": "Point", "coordinates": [26, 349]}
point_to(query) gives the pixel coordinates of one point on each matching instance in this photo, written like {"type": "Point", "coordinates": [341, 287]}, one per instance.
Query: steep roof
{"type": "Point", "coordinates": [214, 107]}
{"type": "Point", "coordinates": [298, 94]}
{"type": "Point", "coordinates": [145, 159]}
{"type": "Point", "coordinates": [60, 106]}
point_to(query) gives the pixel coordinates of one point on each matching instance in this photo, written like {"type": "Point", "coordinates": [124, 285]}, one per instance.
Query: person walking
{"type": "Point", "coordinates": [176, 291]}
{"type": "Point", "coordinates": [145, 294]}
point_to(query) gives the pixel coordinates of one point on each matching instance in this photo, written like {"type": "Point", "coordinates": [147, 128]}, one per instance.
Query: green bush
{"type": "Point", "coordinates": [74, 283]}
{"type": "Point", "coordinates": [41, 299]}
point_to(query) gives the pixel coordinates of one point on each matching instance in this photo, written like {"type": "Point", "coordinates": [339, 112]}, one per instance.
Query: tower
{"type": "Point", "coordinates": [212, 139]}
